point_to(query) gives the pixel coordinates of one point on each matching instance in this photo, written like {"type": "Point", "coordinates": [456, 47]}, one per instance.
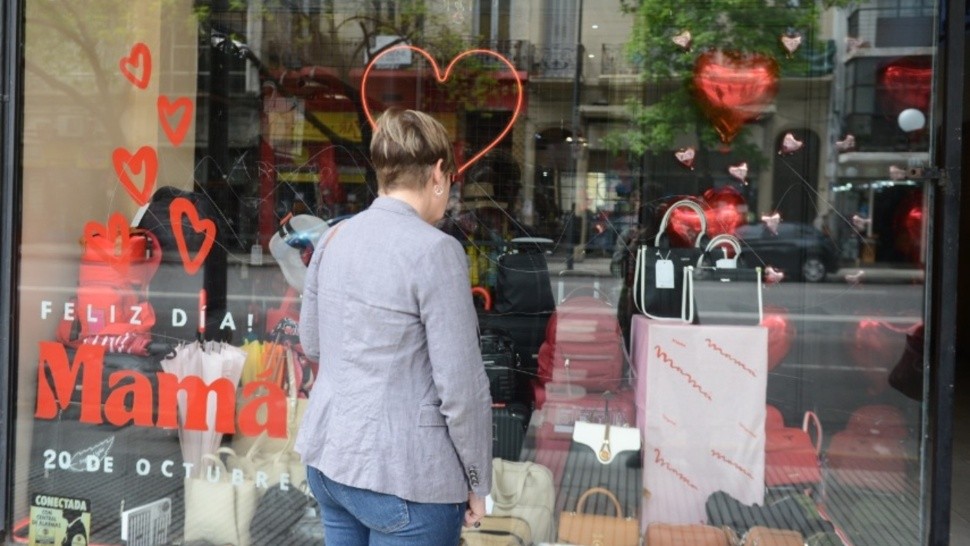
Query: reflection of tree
{"type": "Point", "coordinates": [748, 26]}
{"type": "Point", "coordinates": [66, 48]}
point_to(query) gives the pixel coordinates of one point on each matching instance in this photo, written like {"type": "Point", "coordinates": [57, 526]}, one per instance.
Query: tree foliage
{"type": "Point", "coordinates": [742, 26]}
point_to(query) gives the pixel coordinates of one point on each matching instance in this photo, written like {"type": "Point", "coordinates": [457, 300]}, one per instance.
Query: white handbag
{"type": "Point", "coordinates": [219, 504]}
{"type": "Point", "coordinates": [525, 490]}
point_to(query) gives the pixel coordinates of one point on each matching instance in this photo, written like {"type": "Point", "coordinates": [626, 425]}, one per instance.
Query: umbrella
{"type": "Point", "coordinates": [209, 361]}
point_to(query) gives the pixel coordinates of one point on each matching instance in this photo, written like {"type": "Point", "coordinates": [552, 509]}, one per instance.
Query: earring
{"type": "Point", "coordinates": [438, 191]}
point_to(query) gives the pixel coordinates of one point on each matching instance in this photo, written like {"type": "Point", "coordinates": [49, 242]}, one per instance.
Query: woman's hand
{"type": "Point", "coordinates": [475, 511]}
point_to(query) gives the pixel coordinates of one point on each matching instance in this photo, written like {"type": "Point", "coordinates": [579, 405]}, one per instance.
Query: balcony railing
{"type": "Point", "coordinates": [555, 61]}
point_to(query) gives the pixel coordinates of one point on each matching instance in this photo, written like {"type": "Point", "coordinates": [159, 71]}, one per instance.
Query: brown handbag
{"type": "Point", "coordinates": [766, 536]}
{"type": "Point", "coordinates": [665, 534]}
{"type": "Point", "coordinates": [598, 530]}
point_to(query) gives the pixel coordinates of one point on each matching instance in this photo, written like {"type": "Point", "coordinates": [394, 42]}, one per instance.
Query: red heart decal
{"type": "Point", "coordinates": [115, 235]}
{"type": "Point", "coordinates": [145, 160]}
{"type": "Point", "coordinates": [140, 58]}
{"type": "Point", "coordinates": [167, 110]}
{"type": "Point", "coordinates": [183, 207]}
{"type": "Point", "coordinates": [733, 89]}
{"type": "Point", "coordinates": [444, 77]}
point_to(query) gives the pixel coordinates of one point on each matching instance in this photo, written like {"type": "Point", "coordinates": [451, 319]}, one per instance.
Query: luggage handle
{"type": "Point", "coordinates": [595, 289]}
{"type": "Point", "coordinates": [581, 503]}
{"type": "Point", "coordinates": [811, 417]}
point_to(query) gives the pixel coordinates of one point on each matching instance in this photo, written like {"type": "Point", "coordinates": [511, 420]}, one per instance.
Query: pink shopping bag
{"type": "Point", "coordinates": [701, 407]}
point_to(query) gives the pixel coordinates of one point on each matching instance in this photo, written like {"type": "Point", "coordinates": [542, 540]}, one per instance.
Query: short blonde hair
{"type": "Point", "coordinates": [405, 147]}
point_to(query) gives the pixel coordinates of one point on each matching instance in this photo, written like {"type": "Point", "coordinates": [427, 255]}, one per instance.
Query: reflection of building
{"type": "Point", "coordinates": [887, 78]}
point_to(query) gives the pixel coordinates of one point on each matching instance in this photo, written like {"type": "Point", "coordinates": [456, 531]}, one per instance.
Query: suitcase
{"type": "Point", "coordinates": [791, 458]}
{"type": "Point", "coordinates": [874, 451]}
{"type": "Point", "coordinates": [523, 284]}
{"type": "Point", "coordinates": [564, 405]}
{"type": "Point", "coordinates": [509, 423]}
{"type": "Point", "coordinates": [502, 365]}
{"type": "Point", "coordinates": [583, 345]}
{"type": "Point", "coordinates": [528, 331]}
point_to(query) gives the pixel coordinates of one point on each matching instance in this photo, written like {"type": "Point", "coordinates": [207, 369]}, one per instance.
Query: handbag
{"type": "Point", "coordinates": [579, 527]}
{"type": "Point", "coordinates": [720, 291]}
{"type": "Point", "coordinates": [766, 536]}
{"type": "Point", "coordinates": [661, 275]}
{"type": "Point", "coordinates": [219, 505]}
{"type": "Point", "coordinates": [523, 284]}
{"type": "Point", "coordinates": [497, 531]}
{"type": "Point", "coordinates": [278, 360]}
{"type": "Point", "coordinates": [665, 534]}
{"type": "Point", "coordinates": [525, 490]}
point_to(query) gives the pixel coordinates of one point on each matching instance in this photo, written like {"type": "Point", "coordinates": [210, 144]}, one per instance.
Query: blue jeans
{"type": "Point", "coordinates": [359, 517]}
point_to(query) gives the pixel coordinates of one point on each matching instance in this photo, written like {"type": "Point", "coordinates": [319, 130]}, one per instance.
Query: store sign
{"type": "Point", "coordinates": [126, 396]}
{"type": "Point", "coordinates": [57, 520]}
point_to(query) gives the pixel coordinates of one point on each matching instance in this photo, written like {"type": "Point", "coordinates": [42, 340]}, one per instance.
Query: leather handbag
{"type": "Point", "coordinates": [579, 527]}
{"type": "Point", "coordinates": [661, 278]}
{"type": "Point", "coordinates": [666, 534]}
{"type": "Point", "coordinates": [497, 531]}
{"type": "Point", "coordinates": [720, 291]}
{"type": "Point", "coordinates": [525, 490]}
{"type": "Point", "coordinates": [219, 505]}
{"type": "Point", "coordinates": [766, 536]}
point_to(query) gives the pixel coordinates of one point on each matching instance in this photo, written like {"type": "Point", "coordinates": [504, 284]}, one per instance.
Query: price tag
{"type": "Point", "coordinates": [664, 270]}
{"type": "Point", "coordinates": [489, 504]}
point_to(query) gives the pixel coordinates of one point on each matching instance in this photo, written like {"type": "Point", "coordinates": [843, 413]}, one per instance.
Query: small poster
{"type": "Point", "coordinates": [59, 521]}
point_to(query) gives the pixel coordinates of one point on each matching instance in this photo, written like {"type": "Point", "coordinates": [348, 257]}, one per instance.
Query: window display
{"type": "Point", "coordinates": [697, 255]}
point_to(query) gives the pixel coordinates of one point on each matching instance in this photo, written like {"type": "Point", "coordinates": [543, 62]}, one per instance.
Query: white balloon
{"type": "Point", "coordinates": [911, 119]}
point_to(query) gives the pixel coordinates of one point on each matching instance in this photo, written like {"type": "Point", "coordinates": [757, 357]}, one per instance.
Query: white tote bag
{"type": "Point", "coordinates": [703, 415]}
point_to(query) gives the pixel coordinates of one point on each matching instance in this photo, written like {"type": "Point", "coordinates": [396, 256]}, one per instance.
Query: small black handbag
{"type": "Point", "coordinates": [662, 275]}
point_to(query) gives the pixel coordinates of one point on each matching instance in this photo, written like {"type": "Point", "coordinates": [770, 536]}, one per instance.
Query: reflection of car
{"type": "Point", "coordinates": [798, 250]}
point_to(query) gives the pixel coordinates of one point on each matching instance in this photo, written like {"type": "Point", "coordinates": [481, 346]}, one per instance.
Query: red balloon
{"type": "Point", "coordinates": [725, 209]}
{"type": "Point", "coordinates": [908, 226]}
{"type": "Point", "coordinates": [906, 83]}
{"type": "Point", "coordinates": [684, 226]}
{"type": "Point", "coordinates": [780, 334]}
{"type": "Point", "coordinates": [875, 349]}
{"type": "Point", "coordinates": [733, 89]}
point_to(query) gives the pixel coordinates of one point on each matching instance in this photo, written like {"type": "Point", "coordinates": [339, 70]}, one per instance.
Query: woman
{"type": "Point", "coordinates": [397, 434]}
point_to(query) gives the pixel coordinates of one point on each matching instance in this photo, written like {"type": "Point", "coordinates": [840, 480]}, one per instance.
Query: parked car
{"type": "Point", "coordinates": [798, 250]}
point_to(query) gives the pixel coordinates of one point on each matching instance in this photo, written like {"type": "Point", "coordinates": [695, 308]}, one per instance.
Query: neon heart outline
{"type": "Point", "coordinates": [180, 207]}
{"type": "Point", "coordinates": [441, 79]}
{"type": "Point", "coordinates": [168, 108]}
{"type": "Point", "coordinates": [146, 159]}
{"type": "Point", "coordinates": [140, 56]}
{"type": "Point", "coordinates": [116, 229]}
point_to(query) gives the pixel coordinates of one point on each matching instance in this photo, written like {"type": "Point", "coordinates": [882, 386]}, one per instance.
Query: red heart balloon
{"type": "Point", "coordinates": [780, 334]}
{"type": "Point", "coordinates": [906, 83]}
{"type": "Point", "coordinates": [875, 348]}
{"type": "Point", "coordinates": [733, 89]}
{"type": "Point", "coordinates": [908, 226]}
{"type": "Point", "coordinates": [725, 210]}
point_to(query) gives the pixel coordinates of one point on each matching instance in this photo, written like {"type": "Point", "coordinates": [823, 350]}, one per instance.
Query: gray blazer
{"type": "Point", "coordinates": [401, 403]}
